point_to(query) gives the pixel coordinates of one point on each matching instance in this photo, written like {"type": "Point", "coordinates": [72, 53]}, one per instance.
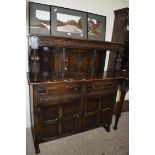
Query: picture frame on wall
{"type": "Point", "coordinates": [96, 27]}
{"type": "Point", "coordinates": [39, 19]}
{"type": "Point", "coordinates": [57, 21]}
{"type": "Point", "coordinates": [68, 23]}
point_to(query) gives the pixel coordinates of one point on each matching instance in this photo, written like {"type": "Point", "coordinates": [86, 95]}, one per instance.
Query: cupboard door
{"type": "Point", "coordinates": [82, 62]}
{"type": "Point", "coordinates": [98, 106]}
{"type": "Point", "coordinates": [77, 61]}
{"type": "Point", "coordinates": [50, 131]}
{"type": "Point", "coordinates": [91, 111]}
{"type": "Point", "coordinates": [70, 116]}
{"type": "Point", "coordinates": [59, 118]}
{"type": "Point", "coordinates": [106, 108]}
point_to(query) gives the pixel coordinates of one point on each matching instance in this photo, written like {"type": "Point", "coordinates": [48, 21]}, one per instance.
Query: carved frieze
{"type": "Point", "coordinates": [42, 99]}
{"type": "Point", "coordinates": [77, 43]}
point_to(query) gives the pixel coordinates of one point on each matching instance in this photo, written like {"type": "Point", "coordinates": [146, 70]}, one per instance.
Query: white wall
{"type": "Point", "coordinates": [101, 7]}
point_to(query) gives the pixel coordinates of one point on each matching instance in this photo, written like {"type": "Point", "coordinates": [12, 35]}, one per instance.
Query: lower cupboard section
{"type": "Point", "coordinates": [71, 122]}
{"type": "Point", "coordinates": [52, 131]}
{"type": "Point", "coordinates": [67, 113]}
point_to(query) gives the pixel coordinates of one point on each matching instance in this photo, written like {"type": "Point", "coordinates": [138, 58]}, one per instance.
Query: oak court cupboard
{"type": "Point", "coordinates": [69, 90]}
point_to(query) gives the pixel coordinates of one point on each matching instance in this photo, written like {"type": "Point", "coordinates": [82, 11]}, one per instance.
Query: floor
{"type": "Point", "coordinates": [93, 142]}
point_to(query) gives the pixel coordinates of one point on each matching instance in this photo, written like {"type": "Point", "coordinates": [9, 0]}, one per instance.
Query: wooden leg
{"type": "Point", "coordinates": [118, 107]}
{"type": "Point", "coordinates": [107, 127]}
{"type": "Point", "coordinates": [37, 149]}
{"type": "Point", "coordinates": [116, 122]}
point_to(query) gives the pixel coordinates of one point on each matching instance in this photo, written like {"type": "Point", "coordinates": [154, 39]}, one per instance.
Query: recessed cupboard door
{"type": "Point", "coordinates": [77, 62]}
{"type": "Point", "coordinates": [83, 62]}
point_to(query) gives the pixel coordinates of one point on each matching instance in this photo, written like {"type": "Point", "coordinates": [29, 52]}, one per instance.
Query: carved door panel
{"type": "Point", "coordinates": [70, 116]}
{"type": "Point", "coordinates": [91, 111]}
{"type": "Point", "coordinates": [98, 62]}
{"type": "Point", "coordinates": [98, 106]}
{"type": "Point", "coordinates": [78, 61]}
{"type": "Point", "coordinates": [58, 116]}
{"type": "Point", "coordinates": [106, 108]}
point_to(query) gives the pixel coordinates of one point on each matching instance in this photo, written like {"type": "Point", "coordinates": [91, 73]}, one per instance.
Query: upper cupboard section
{"type": "Point", "coordinates": [58, 21]}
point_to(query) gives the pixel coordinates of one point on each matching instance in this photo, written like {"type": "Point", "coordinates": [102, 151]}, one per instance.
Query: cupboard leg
{"type": "Point", "coordinates": [118, 107]}
{"type": "Point", "coordinates": [116, 122]}
{"type": "Point", "coordinates": [107, 127]}
{"type": "Point", "coordinates": [37, 149]}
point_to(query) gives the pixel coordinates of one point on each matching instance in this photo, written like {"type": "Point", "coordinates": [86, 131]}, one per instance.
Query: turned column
{"type": "Point", "coordinates": [34, 58]}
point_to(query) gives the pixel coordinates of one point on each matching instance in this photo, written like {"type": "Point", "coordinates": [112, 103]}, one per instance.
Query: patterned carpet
{"type": "Point", "coordinates": [93, 142]}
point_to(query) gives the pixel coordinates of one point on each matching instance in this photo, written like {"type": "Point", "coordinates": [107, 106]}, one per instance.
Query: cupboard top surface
{"type": "Point", "coordinates": [52, 78]}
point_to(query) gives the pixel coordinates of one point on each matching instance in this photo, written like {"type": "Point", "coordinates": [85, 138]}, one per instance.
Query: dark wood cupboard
{"type": "Point", "coordinates": [69, 90]}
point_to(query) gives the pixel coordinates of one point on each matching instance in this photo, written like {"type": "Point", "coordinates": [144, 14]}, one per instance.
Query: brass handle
{"type": "Point", "coordinates": [75, 88]}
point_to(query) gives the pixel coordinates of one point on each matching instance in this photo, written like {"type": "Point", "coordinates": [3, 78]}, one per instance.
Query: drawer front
{"type": "Point", "coordinates": [57, 99]}
{"type": "Point", "coordinates": [60, 88]}
{"type": "Point", "coordinates": [58, 93]}
{"type": "Point", "coordinates": [101, 91]}
{"type": "Point", "coordinates": [95, 85]}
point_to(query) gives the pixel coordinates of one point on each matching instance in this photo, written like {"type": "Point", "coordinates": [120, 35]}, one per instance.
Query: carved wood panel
{"type": "Point", "coordinates": [78, 61]}
{"type": "Point", "coordinates": [61, 118]}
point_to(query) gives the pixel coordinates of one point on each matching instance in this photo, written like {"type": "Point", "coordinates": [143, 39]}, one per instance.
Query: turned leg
{"type": "Point", "coordinates": [107, 127]}
{"type": "Point", "coordinates": [116, 122]}
{"type": "Point", "coordinates": [37, 149]}
{"type": "Point", "coordinates": [118, 107]}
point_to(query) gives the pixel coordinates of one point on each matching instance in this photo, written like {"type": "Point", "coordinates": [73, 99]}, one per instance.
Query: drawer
{"type": "Point", "coordinates": [101, 84]}
{"type": "Point", "coordinates": [56, 99]}
{"type": "Point", "coordinates": [60, 88]}
{"type": "Point", "coordinates": [103, 91]}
